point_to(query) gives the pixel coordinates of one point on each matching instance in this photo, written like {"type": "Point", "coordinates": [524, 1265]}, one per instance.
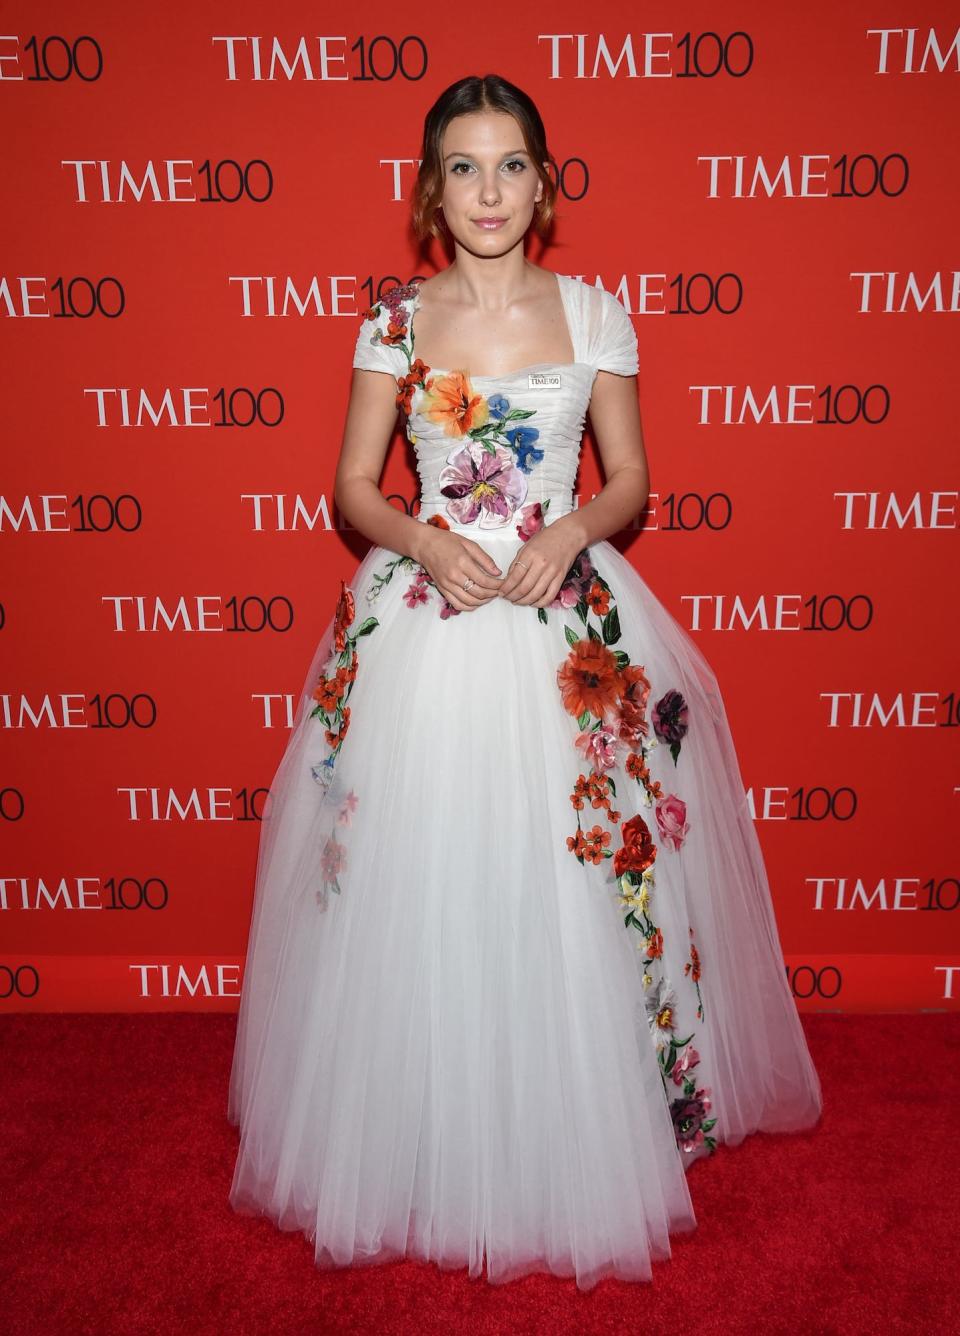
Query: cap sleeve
{"type": "Point", "coordinates": [371, 352]}
{"type": "Point", "coordinates": [617, 342]}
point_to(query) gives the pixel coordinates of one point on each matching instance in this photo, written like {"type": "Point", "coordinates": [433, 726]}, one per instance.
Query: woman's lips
{"type": "Point", "coordinates": [489, 224]}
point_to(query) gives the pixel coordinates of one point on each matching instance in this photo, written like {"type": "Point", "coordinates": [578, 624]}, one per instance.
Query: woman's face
{"type": "Point", "coordinates": [490, 183]}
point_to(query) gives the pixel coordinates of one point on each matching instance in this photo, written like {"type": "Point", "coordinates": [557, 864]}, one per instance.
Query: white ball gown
{"type": "Point", "coordinates": [513, 963]}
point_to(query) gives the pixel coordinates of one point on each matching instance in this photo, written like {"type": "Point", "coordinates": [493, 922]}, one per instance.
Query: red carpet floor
{"type": "Point", "coordinates": [116, 1159]}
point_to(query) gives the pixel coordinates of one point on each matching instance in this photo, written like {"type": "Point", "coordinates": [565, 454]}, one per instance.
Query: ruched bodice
{"type": "Point", "coordinates": [557, 415]}
{"type": "Point", "coordinates": [498, 453]}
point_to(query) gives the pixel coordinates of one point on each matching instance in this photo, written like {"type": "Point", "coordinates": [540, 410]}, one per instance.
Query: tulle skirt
{"type": "Point", "coordinates": [507, 979]}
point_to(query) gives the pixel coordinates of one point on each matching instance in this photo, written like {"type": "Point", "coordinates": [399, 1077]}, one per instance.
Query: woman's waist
{"type": "Point", "coordinates": [522, 522]}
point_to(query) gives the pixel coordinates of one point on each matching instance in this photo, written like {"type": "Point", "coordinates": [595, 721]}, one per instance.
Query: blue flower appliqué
{"type": "Point", "coordinates": [519, 439]}
{"type": "Point", "coordinates": [522, 439]}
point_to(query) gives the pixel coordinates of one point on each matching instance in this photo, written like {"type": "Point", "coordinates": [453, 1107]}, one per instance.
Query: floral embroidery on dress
{"type": "Point", "coordinates": [485, 478]}
{"type": "Point", "coordinates": [333, 689]}
{"type": "Point", "coordinates": [677, 1060]}
{"type": "Point", "coordinates": [608, 695]}
{"type": "Point", "coordinates": [451, 402]}
{"type": "Point", "coordinates": [483, 485]}
{"type": "Point", "coordinates": [331, 695]}
{"type": "Point", "coordinates": [532, 519]}
{"type": "Point", "coordinates": [669, 717]}
{"type": "Point", "coordinates": [399, 334]}
{"type": "Point", "coordinates": [333, 855]}
{"type": "Point", "coordinates": [417, 592]}
{"type": "Point", "coordinates": [692, 967]}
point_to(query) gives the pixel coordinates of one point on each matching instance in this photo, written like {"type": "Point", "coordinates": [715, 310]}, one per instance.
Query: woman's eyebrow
{"type": "Point", "coordinates": [514, 153]}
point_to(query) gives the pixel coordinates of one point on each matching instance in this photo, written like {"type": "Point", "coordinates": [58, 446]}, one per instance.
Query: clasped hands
{"type": "Point", "coordinates": [533, 577]}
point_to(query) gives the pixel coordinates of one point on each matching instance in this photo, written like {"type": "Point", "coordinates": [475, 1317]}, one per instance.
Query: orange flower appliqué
{"type": "Point", "coordinates": [408, 383]}
{"type": "Point", "coordinates": [396, 332]}
{"type": "Point", "coordinates": [346, 608]}
{"type": "Point", "coordinates": [589, 844]}
{"type": "Point", "coordinates": [598, 599]}
{"type": "Point", "coordinates": [450, 401]}
{"type": "Point", "coordinates": [589, 679]}
{"type": "Point", "coordinates": [329, 691]}
{"type": "Point", "coordinates": [335, 736]}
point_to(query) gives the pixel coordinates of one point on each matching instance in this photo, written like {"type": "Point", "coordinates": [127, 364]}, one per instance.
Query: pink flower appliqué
{"type": "Point", "coordinates": [482, 483]}
{"type": "Point", "coordinates": [672, 819]}
{"type": "Point", "coordinates": [599, 746]}
{"type": "Point", "coordinates": [417, 592]}
{"type": "Point", "coordinates": [531, 519]}
{"type": "Point", "coordinates": [684, 1063]}
{"type": "Point", "coordinates": [578, 581]}
{"type": "Point", "coordinates": [347, 809]}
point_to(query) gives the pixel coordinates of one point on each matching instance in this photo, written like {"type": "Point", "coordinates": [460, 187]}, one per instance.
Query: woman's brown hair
{"type": "Point", "coordinates": [479, 93]}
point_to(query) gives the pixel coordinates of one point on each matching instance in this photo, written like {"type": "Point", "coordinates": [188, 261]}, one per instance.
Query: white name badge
{"type": "Point", "coordinates": [542, 380]}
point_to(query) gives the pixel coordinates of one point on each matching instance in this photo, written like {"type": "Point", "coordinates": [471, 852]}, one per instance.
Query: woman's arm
{"type": "Point", "coordinates": [615, 421]}
{"type": "Point", "coordinates": [371, 418]}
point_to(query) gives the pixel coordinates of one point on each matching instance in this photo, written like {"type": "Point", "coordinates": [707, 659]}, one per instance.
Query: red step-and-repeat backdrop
{"type": "Point", "coordinates": [198, 202]}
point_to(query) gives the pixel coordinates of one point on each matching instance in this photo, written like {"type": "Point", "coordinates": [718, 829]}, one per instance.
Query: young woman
{"type": "Point", "coordinates": [513, 963]}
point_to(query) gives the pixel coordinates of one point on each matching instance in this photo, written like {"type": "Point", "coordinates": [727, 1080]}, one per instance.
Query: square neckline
{"type": "Point", "coordinates": [504, 375]}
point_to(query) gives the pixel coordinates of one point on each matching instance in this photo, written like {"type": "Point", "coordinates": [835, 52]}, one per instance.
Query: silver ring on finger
{"type": "Point", "coordinates": [467, 583]}
{"type": "Point", "coordinates": [521, 563]}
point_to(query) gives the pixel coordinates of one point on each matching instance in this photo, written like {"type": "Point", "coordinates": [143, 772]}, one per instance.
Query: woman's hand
{"type": "Point", "coordinates": [450, 559]}
{"type": "Point", "coordinates": [540, 567]}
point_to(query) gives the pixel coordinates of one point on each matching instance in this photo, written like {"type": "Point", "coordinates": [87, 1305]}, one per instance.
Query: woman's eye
{"type": "Point", "coordinates": [512, 163]}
